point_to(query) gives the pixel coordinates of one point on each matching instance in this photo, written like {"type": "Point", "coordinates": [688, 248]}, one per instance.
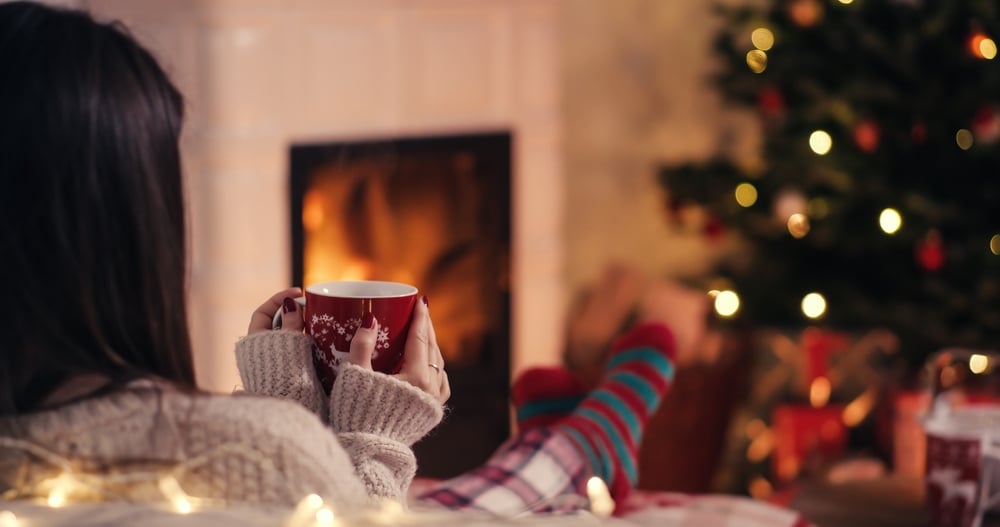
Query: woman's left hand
{"type": "Point", "coordinates": [291, 315]}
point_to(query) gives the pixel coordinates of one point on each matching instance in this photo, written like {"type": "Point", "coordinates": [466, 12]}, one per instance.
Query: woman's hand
{"type": "Point", "coordinates": [291, 312]}
{"type": "Point", "coordinates": [423, 364]}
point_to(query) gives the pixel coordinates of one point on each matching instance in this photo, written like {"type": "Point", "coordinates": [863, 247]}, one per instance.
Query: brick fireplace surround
{"type": "Point", "coordinates": [260, 75]}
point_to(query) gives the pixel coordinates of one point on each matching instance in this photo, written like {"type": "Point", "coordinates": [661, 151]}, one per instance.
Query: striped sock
{"type": "Point", "coordinates": [542, 396]}
{"type": "Point", "coordinates": [607, 426]}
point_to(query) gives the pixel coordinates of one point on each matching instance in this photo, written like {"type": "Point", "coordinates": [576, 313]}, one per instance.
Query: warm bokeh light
{"type": "Point", "coordinates": [983, 46]}
{"type": "Point", "coordinates": [846, 2]}
{"type": "Point", "coordinates": [964, 139]}
{"type": "Point", "coordinates": [602, 504]}
{"type": "Point", "coordinates": [757, 60]}
{"type": "Point", "coordinates": [760, 488]}
{"type": "Point", "coordinates": [798, 225]}
{"type": "Point", "coordinates": [761, 446]}
{"type": "Point", "coordinates": [754, 428]}
{"type": "Point", "coordinates": [978, 363]}
{"type": "Point", "coordinates": [8, 519]}
{"type": "Point", "coordinates": [813, 305]}
{"type": "Point", "coordinates": [819, 392]}
{"type": "Point", "coordinates": [820, 142]}
{"type": "Point", "coordinates": [890, 221]}
{"type": "Point", "coordinates": [746, 194]}
{"type": "Point", "coordinates": [988, 49]}
{"type": "Point", "coordinates": [727, 303]}
{"type": "Point", "coordinates": [858, 409]}
{"type": "Point", "coordinates": [762, 38]}
{"type": "Point", "coordinates": [995, 244]}
{"type": "Point", "coordinates": [325, 517]}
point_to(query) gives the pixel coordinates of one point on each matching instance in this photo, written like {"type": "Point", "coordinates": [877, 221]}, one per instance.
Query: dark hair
{"type": "Point", "coordinates": [92, 224]}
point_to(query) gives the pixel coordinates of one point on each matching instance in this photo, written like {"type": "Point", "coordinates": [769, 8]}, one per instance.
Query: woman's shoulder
{"type": "Point", "coordinates": [163, 414]}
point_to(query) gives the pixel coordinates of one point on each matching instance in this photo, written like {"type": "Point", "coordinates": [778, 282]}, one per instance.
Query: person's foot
{"type": "Point", "coordinates": [607, 425]}
{"type": "Point", "coordinates": [543, 396]}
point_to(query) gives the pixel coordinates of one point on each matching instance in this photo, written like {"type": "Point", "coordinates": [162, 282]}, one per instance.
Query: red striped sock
{"type": "Point", "coordinates": [543, 396]}
{"type": "Point", "coordinates": [607, 425]}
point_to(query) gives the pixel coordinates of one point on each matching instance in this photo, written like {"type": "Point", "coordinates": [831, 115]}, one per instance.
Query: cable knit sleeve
{"type": "Point", "coordinates": [377, 418]}
{"type": "Point", "coordinates": [279, 364]}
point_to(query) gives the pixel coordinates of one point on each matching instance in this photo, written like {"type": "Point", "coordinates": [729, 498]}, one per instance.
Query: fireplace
{"type": "Point", "coordinates": [433, 211]}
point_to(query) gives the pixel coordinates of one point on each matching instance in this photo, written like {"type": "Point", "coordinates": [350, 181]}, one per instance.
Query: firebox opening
{"type": "Point", "coordinates": [432, 211]}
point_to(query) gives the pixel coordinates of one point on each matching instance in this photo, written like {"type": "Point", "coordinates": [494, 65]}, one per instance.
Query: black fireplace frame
{"type": "Point", "coordinates": [479, 414]}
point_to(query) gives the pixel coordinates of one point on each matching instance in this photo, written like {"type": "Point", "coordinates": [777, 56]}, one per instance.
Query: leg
{"type": "Point", "coordinates": [547, 468]}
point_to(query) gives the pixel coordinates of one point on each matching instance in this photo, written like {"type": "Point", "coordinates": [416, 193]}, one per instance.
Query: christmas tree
{"type": "Point", "coordinates": [878, 194]}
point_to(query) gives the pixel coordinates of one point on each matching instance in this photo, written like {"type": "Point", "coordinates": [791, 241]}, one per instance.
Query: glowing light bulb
{"type": "Point", "coordinates": [988, 49]}
{"type": "Point", "coordinates": [846, 2]}
{"type": "Point", "coordinates": [727, 303]}
{"type": "Point", "coordinates": [819, 392]}
{"type": "Point", "coordinates": [995, 244]}
{"type": "Point", "coordinates": [762, 38]}
{"type": "Point", "coordinates": [176, 495]}
{"type": "Point", "coordinates": [760, 488]}
{"type": "Point", "coordinates": [978, 363]}
{"type": "Point", "coordinates": [798, 225]}
{"type": "Point", "coordinates": [813, 305]}
{"type": "Point", "coordinates": [856, 411]}
{"type": "Point", "coordinates": [757, 60]}
{"type": "Point", "coordinates": [601, 503]}
{"type": "Point", "coordinates": [890, 221]}
{"type": "Point", "coordinates": [60, 488]}
{"type": "Point", "coordinates": [983, 46]}
{"type": "Point", "coordinates": [820, 142]}
{"type": "Point", "coordinates": [746, 194]}
{"type": "Point", "coordinates": [8, 519]}
{"type": "Point", "coordinates": [964, 139]}
{"type": "Point", "coordinates": [325, 517]}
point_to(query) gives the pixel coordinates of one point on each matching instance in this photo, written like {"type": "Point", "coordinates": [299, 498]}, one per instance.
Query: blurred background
{"type": "Point", "coordinates": [805, 190]}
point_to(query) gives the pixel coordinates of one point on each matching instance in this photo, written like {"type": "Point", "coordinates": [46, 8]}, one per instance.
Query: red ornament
{"type": "Point", "coordinates": [985, 125]}
{"type": "Point", "coordinates": [867, 135]}
{"type": "Point", "coordinates": [805, 13]}
{"type": "Point", "coordinates": [771, 102]}
{"type": "Point", "coordinates": [930, 252]}
{"type": "Point", "coordinates": [918, 133]}
{"type": "Point", "coordinates": [713, 229]}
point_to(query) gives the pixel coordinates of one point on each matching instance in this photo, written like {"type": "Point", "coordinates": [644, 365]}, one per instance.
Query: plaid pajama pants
{"type": "Point", "coordinates": [537, 471]}
{"type": "Point", "coordinates": [541, 471]}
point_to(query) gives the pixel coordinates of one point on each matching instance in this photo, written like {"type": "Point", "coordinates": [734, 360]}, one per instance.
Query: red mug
{"type": "Point", "coordinates": [954, 476]}
{"type": "Point", "coordinates": [333, 311]}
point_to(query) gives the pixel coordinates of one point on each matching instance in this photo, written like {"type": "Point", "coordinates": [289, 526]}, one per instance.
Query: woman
{"type": "Point", "coordinates": [97, 369]}
{"type": "Point", "coordinates": [97, 391]}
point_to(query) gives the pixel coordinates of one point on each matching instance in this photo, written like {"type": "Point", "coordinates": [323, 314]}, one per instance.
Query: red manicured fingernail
{"type": "Point", "coordinates": [368, 321]}
{"type": "Point", "coordinates": [288, 305]}
{"type": "Point", "coordinates": [426, 302]}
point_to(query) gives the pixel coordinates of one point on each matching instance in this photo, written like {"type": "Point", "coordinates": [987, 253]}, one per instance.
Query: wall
{"type": "Point", "coordinates": [636, 95]}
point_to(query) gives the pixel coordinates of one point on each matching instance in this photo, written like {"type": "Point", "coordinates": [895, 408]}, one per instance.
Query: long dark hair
{"type": "Point", "coordinates": [92, 224]}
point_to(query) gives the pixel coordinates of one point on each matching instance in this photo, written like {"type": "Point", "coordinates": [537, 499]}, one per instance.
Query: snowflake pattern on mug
{"type": "Point", "coordinates": [328, 329]}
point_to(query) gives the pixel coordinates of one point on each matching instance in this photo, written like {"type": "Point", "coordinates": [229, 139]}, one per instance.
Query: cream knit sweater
{"type": "Point", "coordinates": [350, 448]}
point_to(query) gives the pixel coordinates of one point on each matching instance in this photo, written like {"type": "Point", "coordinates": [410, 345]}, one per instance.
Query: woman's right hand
{"type": "Point", "coordinates": [423, 364]}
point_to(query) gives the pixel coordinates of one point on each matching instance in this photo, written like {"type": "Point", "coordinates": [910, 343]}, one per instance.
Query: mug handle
{"type": "Point", "coordinates": [276, 321]}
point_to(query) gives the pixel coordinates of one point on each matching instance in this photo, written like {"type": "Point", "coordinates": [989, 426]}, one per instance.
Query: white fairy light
{"type": "Point", "coordinates": [172, 490]}
{"type": "Point", "coordinates": [602, 504]}
{"type": "Point", "coordinates": [325, 517]}
{"type": "Point", "coordinates": [61, 486]}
